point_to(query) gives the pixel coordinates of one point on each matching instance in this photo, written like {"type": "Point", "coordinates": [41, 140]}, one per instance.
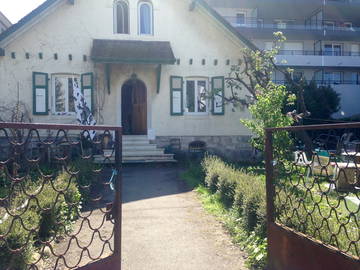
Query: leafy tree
{"type": "Point", "coordinates": [267, 101]}
{"type": "Point", "coordinates": [321, 101]}
{"type": "Point", "coordinates": [268, 112]}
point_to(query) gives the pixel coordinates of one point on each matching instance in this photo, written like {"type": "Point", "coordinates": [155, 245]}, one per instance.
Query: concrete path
{"type": "Point", "coordinates": [165, 227]}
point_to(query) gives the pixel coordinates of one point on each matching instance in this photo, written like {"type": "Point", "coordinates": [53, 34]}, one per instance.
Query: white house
{"type": "Point", "coordinates": [143, 64]}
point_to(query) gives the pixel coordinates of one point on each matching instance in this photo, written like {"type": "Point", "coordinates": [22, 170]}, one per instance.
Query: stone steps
{"type": "Point", "coordinates": [138, 149]}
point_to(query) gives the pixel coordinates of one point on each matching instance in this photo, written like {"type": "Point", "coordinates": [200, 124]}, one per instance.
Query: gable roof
{"type": "Point", "coordinates": [48, 3]}
{"type": "Point", "coordinates": [28, 18]}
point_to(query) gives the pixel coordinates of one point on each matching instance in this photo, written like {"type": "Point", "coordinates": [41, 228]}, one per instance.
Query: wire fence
{"type": "Point", "coordinates": [60, 203]}
{"type": "Point", "coordinates": [313, 184]}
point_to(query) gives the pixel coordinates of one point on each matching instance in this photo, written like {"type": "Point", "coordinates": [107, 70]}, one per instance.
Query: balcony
{"type": "Point", "coordinates": [317, 58]}
{"type": "Point", "coordinates": [318, 53]}
{"type": "Point", "coordinates": [259, 23]}
{"type": "Point", "coordinates": [325, 82]}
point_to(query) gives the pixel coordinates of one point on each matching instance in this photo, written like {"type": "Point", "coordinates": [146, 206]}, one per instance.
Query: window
{"type": "Point", "coordinates": [355, 50]}
{"type": "Point", "coordinates": [354, 78]}
{"type": "Point", "coordinates": [145, 18]}
{"type": "Point", "coordinates": [121, 15]}
{"type": "Point", "coordinates": [63, 93]}
{"type": "Point", "coordinates": [293, 48]}
{"type": "Point", "coordinates": [333, 49]}
{"type": "Point", "coordinates": [240, 19]}
{"type": "Point", "coordinates": [279, 24]}
{"type": "Point", "coordinates": [347, 25]}
{"type": "Point", "coordinates": [329, 25]}
{"type": "Point", "coordinates": [332, 77]}
{"type": "Point", "coordinates": [196, 96]}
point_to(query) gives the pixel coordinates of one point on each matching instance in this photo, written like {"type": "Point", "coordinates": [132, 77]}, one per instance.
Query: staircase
{"type": "Point", "coordinates": [138, 149]}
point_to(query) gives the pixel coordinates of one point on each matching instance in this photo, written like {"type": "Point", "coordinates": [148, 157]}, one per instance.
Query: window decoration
{"type": "Point", "coordinates": [218, 89]}
{"type": "Point", "coordinates": [40, 93]}
{"type": "Point", "coordinates": [121, 15]}
{"type": "Point", "coordinates": [176, 95]}
{"type": "Point", "coordinates": [145, 18]}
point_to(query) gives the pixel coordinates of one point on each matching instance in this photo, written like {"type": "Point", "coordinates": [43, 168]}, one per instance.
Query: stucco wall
{"type": "Point", "coordinates": [70, 29]}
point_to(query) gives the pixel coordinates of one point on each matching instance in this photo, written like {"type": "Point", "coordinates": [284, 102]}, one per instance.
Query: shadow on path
{"type": "Point", "coordinates": [140, 183]}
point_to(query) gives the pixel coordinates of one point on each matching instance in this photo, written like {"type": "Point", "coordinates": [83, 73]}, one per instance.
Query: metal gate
{"type": "Point", "coordinates": [313, 197]}
{"type": "Point", "coordinates": [60, 196]}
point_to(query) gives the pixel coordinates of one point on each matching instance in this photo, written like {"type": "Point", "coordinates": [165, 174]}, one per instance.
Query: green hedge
{"type": "Point", "coordinates": [241, 191]}
{"type": "Point", "coordinates": [244, 194]}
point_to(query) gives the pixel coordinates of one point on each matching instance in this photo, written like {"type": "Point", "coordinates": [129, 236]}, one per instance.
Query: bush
{"type": "Point", "coordinates": [61, 209]}
{"type": "Point", "coordinates": [86, 177]}
{"type": "Point", "coordinates": [48, 215]}
{"type": "Point", "coordinates": [18, 238]}
{"type": "Point", "coordinates": [226, 186]}
{"type": "Point", "coordinates": [245, 194]}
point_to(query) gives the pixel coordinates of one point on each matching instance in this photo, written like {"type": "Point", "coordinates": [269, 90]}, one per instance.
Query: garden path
{"type": "Point", "coordinates": [165, 226]}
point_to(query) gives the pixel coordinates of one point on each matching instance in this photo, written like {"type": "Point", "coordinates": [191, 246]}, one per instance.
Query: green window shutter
{"type": "Point", "coordinates": [218, 91]}
{"type": "Point", "coordinates": [40, 93]}
{"type": "Point", "coordinates": [176, 96]}
{"type": "Point", "coordinates": [87, 89]}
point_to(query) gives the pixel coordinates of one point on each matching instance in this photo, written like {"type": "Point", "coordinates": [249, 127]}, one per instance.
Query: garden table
{"type": "Point", "coordinates": [347, 175]}
{"type": "Point", "coordinates": [352, 156]}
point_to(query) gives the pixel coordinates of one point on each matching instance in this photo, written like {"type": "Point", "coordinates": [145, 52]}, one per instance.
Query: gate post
{"type": "Point", "coordinates": [270, 189]}
{"type": "Point", "coordinates": [118, 200]}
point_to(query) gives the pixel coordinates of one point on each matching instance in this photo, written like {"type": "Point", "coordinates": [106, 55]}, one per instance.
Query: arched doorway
{"type": "Point", "coordinates": [134, 107]}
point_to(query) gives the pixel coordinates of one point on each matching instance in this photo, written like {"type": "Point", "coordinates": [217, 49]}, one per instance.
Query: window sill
{"type": "Point", "coordinates": [63, 114]}
{"type": "Point", "coordinates": [196, 114]}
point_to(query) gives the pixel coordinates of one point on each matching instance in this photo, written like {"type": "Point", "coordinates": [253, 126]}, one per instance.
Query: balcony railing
{"type": "Point", "coordinates": [324, 82]}
{"type": "Point", "coordinates": [318, 53]}
{"type": "Point", "coordinates": [252, 22]}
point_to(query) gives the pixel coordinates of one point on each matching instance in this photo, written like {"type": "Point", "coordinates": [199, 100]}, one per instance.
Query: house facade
{"type": "Point", "coordinates": [323, 40]}
{"type": "Point", "coordinates": [143, 65]}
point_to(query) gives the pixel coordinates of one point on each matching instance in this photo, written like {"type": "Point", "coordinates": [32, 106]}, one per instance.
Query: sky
{"type": "Point", "coordinates": [14, 10]}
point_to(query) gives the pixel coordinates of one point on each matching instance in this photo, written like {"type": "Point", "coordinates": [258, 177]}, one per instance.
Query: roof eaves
{"type": "Point", "coordinates": [25, 20]}
{"type": "Point", "coordinates": [227, 25]}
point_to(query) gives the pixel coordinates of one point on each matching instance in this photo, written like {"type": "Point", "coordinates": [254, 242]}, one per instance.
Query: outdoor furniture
{"type": "Point", "coordinates": [319, 165]}
{"type": "Point", "coordinates": [347, 175]}
{"type": "Point", "coordinates": [352, 156]}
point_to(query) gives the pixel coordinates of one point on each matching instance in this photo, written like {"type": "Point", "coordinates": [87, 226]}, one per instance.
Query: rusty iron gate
{"type": "Point", "coordinates": [313, 197]}
{"type": "Point", "coordinates": [60, 196]}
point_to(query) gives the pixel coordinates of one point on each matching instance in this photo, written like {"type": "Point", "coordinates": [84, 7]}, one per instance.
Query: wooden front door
{"type": "Point", "coordinates": [134, 108]}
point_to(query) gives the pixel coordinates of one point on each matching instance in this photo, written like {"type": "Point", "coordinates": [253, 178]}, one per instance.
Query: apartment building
{"type": "Point", "coordinates": [323, 39]}
{"type": "Point", "coordinates": [4, 22]}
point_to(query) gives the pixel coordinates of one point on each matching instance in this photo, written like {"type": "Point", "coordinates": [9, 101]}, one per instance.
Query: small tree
{"type": "Point", "coordinates": [268, 112]}
{"type": "Point", "coordinates": [265, 99]}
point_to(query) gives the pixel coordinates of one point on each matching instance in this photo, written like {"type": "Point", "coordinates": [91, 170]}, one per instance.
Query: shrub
{"type": "Point", "coordinates": [226, 188]}
{"type": "Point", "coordinates": [86, 177]}
{"type": "Point", "coordinates": [18, 238]}
{"type": "Point", "coordinates": [242, 191]}
{"type": "Point", "coordinates": [245, 194]}
{"type": "Point", "coordinates": [61, 209]}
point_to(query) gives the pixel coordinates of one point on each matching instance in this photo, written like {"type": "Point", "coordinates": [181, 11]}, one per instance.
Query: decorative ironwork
{"type": "Point", "coordinates": [60, 200]}
{"type": "Point", "coordinates": [314, 189]}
